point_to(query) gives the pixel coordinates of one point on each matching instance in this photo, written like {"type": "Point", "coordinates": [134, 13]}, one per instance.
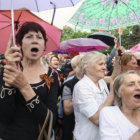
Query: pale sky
{"type": "Point", "coordinates": [61, 15]}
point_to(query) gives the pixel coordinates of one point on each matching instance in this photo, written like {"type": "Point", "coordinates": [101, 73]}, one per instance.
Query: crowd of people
{"type": "Point", "coordinates": [91, 96]}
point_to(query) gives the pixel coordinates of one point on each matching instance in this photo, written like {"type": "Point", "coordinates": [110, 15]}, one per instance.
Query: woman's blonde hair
{"type": "Point", "coordinates": [77, 69]}
{"type": "Point", "coordinates": [89, 59]}
{"type": "Point", "coordinates": [118, 82]}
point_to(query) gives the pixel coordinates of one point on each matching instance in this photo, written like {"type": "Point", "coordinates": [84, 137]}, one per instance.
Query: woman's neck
{"type": "Point", "coordinates": [94, 79]}
{"type": "Point", "coordinates": [31, 64]}
{"type": "Point", "coordinates": [132, 114]}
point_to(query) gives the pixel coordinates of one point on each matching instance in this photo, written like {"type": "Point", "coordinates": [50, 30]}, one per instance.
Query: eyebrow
{"type": "Point", "coordinates": [133, 82]}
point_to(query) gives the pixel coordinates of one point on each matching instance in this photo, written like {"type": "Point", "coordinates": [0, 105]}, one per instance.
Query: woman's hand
{"type": "Point", "coordinates": [14, 77]}
{"type": "Point", "coordinates": [12, 54]}
{"type": "Point", "coordinates": [121, 48]}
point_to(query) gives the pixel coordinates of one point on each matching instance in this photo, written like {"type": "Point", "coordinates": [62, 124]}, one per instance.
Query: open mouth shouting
{"type": "Point", "coordinates": [34, 51]}
{"type": "Point", "coordinates": [137, 96]}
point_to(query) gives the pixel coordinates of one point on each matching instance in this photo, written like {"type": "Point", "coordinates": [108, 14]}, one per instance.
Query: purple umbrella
{"type": "Point", "coordinates": [82, 45]}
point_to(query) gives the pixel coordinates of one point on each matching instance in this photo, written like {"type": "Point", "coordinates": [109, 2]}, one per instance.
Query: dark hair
{"type": "Point", "coordinates": [29, 26]}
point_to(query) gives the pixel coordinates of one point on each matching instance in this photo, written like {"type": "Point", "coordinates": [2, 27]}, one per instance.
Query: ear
{"type": "Point", "coordinates": [85, 67]}
{"type": "Point", "coordinates": [119, 95]}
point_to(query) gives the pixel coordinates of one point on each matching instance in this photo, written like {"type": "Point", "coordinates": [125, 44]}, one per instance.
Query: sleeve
{"type": "Point", "coordinates": [108, 127]}
{"type": "Point", "coordinates": [112, 54]}
{"type": "Point", "coordinates": [38, 108]}
{"type": "Point", "coordinates": [7, 100]}
{"type": "Point", "coordinates": [84, 100]}
{"type": "Point", "coordinates": [66, 93]}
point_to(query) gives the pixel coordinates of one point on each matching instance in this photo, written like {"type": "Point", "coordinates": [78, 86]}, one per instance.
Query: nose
{"type": "Point", "coordinates": [138, 86]}
{"type": "Point", "coordinates": [34, 40]}
{"type": "Point", "coordinates": [104, 66]}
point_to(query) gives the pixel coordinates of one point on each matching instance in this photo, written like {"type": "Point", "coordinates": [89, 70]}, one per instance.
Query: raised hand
{"type": "Point", "coordinates": [12, 54]}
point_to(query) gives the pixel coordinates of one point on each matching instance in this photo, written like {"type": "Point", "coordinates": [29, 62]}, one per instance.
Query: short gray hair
{"type": "Point", "coordinates": [118, 85]}
{"type": "Point", "coordinates": [90, 57]}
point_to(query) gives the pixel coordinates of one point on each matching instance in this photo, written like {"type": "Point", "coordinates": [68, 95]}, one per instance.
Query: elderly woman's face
{"type": "Point", "coordinates": [97, 69]}
{"type": "Point", "coordinates": [33, 45]}
{"type": "Point", "coordinates": [130, 91]}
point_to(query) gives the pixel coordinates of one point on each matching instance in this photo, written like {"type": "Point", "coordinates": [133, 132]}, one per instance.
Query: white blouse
{"type": "Point", "coordinates": [114, 125]}
{"type": "Point", "coordinates": [87, 98]}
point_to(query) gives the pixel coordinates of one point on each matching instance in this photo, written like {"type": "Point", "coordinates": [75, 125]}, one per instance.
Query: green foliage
{"type": "Point", "coordinates": [69, 33]}
{"type": "Point", "coordinates": [129, 38]}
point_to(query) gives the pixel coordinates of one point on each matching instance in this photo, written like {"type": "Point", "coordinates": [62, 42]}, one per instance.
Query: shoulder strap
{"type": "Point", "coordinates": [43, 131]}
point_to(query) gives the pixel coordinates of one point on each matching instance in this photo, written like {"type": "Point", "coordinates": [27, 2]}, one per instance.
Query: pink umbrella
{"type": "Point", "coordinates": [53, 33]}
{"type": "Point", "coordinates": [82, 45]}
{"type": "Point", "coordinates": [135, 48]}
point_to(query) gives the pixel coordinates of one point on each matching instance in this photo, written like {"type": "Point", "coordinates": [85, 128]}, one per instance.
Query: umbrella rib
{"type": "Point", "coordinates": [5, 16]}
{"type": "Point", "coordinates": [17, 22]}
{"type": "Point", "coordinates": [19, 16]}
{"type": "Point", "coordinates": [130, 9]}
{"type": "Point", "coordinates": [36, 5]}
{"type": "Point", "coordinates": [110, 17]}
{"type": "Point", "coordinates": [5, 27]}
{"type": "Point", "coordinates": [93, 5]}
{"type": "Point", "coordinates": [72, 2]}
{"type": "Point", "coordinates": [99, 11]}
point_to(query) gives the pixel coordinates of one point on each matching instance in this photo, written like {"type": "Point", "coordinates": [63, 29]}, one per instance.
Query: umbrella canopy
{"type": "Point", "coordinates": [105, 37]}
{"type": "Point", "coordinates": [82, 45]}
{"type": "Point", "coordinates": [135, 48]}
{"type": "Point", "coordinates": [53, 33]}
{"type": "Point", "coordinates": [107, 14]}
{"type": "Point", "coordinates": [36, 5]}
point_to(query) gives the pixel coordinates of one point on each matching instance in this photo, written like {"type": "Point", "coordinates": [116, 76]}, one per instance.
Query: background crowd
{"type": "Point", "coordinates": [92, 96]}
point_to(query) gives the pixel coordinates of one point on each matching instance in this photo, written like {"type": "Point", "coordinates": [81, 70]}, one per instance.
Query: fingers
{"type": "Point", "coordinates": [13, 55]}
{"type": "Point", "coordinates": [10, 42]}
{"type": "Point", "coordinates": [8, 69]}
{"type": "Point", "coordinates": [10, 74]}
{"type": "Point", "coordinates": [119, 50]}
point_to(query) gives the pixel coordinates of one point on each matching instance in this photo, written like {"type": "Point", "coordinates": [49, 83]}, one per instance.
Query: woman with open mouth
{"type": "Point", "coordinates": [122, 121]}
{"type": "Point", "coordinates": [26, 94]}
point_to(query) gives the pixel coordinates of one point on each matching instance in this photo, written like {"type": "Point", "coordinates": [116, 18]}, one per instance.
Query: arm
{"type": "Point", "coordinates": [7, 100]}
{"type": "Point", "coordinates": [117, 65]}
{"type": "Point", "coordinates": [8, 92]}
{"type": "Point", "coordinates": [67, 101]}
{"type": "Point", "coordinates": [87, 103]}
{"type": "Point", "coordinates": [68, 106]}
{"type": "Point", "coordinates": [108, 102]}
{"type": "Point", "coordinates": [112, 54]}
